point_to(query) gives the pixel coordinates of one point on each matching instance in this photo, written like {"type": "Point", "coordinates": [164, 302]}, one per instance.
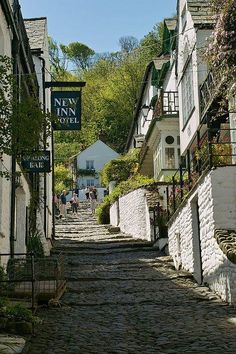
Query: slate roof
{"type": "Point", "coordinates": [36, 28]}
{"type": "Point", "coordinates": [201, 12]}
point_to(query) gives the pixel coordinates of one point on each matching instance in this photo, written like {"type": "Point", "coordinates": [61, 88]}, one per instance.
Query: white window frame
{"type": "Point", "coordinates": [89, 164]}
{"type": "Point", "coordinates": [187, 92]}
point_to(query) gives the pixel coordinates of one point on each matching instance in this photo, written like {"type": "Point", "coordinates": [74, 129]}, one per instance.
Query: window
{"type": "Point", "coordinates": [170, 158]}
{"type": "Point", "coordinates": [90, 182]}
{"type": "Point", "coordinates": [157, 161]}
{"type": "Point", "coordinates": [187, 92]}
{"type": "Point", "coordinates": [178, 140]}
{"type": "Point", "coordinates": [89, 165]}
{"type": "Point", "coordinates": [170, 140]}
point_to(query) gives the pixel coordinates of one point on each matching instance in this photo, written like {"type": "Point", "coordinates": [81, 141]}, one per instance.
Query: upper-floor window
{"type": "Point", "coordinates": [90, 182]}
{"type": "Point", "coordinates": [90, 165]}
{"type": "Point", "coordinates": [187, 92]}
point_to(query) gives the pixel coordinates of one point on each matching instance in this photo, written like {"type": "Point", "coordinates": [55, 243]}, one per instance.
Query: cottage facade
{"type": "Point", "coordinates": [16, 191]}
{"type": "Point", "coordinates": [91, 161]}
{"type": "Point", "coordinates": [203, 200]}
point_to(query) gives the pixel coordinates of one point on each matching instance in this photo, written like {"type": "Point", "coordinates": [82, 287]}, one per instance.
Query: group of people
{"type": "Point", "coordinates": [60, 202]}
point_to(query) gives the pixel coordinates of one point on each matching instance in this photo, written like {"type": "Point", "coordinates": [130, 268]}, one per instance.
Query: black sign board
{"type": "Point", "coordinates": [66, 105]}
{"type": "Point", "coordinates": [38, 163]}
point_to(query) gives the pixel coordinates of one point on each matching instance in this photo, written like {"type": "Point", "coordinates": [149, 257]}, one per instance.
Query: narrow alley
{"type": "Point", "coordinates": [124, 297]}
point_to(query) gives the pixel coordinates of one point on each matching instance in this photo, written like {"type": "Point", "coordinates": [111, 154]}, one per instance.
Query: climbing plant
{"type": "Point", "coordinates": [221, 53]}
{"type": "Point", "coordinates": [24, 127]}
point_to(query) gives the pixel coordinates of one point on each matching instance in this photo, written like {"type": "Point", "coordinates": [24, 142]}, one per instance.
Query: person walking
{"type": "Point", "coordinates": [63, 203]}
{"type": "Point", "coordinates": [86, 192]}
{"type": "Point", "coordinates": [92, 198]}
{"type": "Point", "coordinates": [74, 203]}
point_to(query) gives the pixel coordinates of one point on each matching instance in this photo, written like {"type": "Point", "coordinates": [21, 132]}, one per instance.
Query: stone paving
{"type": "Point", "coordinates": [123, 296]}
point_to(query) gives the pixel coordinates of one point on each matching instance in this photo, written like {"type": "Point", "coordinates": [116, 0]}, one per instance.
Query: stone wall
{"type": "Point", "coordinates": [133, 215]}
{"type": "Point", "coordinates": [191, 232]}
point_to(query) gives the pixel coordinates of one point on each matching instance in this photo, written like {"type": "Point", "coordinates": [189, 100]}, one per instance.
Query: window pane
{"type": "Point", "coordinates": [89, 164]}
{"type": "Point", "coordinates": [170, 158]}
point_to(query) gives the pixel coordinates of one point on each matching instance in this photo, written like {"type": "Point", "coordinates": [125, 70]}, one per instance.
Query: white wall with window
{"type": "Point", "coordinates": [192, 71]}
{"type": "Point", "coordinates": [94, 158]}
{"type": "Point", "coordinates": [89, 164]}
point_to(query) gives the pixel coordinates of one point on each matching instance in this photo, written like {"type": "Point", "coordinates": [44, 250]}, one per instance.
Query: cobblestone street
{"type": "Point", "coordinates": [124, 297]}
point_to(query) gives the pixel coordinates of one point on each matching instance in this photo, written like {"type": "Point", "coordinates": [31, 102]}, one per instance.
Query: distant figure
{"type": "Point", "coordinates": [86, 191]}
{"type": "Point", "coordinates": [74, 203]}
{"type": "Point", "coordinates": [56, 201]}
{"type": "Point", "coordinates": [63, 203]}
{"type": "Point", "coordinates": [92, 199]}
{"type": "Point", "coordinates": [95, 192]}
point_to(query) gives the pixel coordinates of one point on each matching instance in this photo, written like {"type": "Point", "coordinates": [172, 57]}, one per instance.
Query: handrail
{"type": "Point", "coordinates": [214, 148]}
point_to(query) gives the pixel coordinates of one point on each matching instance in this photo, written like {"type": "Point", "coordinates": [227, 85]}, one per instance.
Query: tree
{"type": "Point", "coordinates": [151, 44]}
{"type": "Point", "coordinates": [79, 53]}
{"type": "Point", "coordinates": [63, 178]}
{"type": "Point", "coordinates": [57, 59]}
{"type": "Point", "coordinates": [128, 44]}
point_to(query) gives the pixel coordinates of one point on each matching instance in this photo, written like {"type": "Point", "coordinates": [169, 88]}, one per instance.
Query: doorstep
{"type": "Point", "coordinates": [10, 344]}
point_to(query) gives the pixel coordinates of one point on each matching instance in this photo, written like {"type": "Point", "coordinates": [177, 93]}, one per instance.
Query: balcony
{"type": "Point", "coordinates": [210, 94]}
{"type": "Point", "coordinates": [167, 105]}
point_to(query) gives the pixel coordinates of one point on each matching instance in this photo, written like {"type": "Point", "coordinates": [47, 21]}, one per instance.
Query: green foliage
{"type": "Point", "coordinates": [63, 178]}
{"type": "Point", "coordinates": [20, 112]}
{"type": "Point", "coordinates": [19, 313]}
{"type": "Point", "coordinates": [79, 53]}
{"type": "Point", "coordinates": [151, 44]}
{"type": "Point", "coordinates": [112, 86]}
{"type": "Point", "coordinates": [120, 169]}
{"type": "Point", "coordinates": [34, 245]}
{"type": "Point", "coordinates": [103, 211]}
{"type": "Point", "coordinates": [16, 312]}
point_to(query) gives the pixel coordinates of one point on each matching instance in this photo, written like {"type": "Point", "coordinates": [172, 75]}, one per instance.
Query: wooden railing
{"type": "Point", "coordinates": [167, 105]}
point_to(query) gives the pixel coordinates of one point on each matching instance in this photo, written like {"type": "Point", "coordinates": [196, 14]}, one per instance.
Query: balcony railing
{"type": "Point", "coordinates": [212, 148]}
{"type": "Point", "coordinates": [167, 105]}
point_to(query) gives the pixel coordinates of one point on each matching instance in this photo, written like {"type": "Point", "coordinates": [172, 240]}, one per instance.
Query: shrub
{"type": "Point", "coordinates": [34, 244]}
{"type": "Point", "coordinates": [103, 211]}
{"type": "Point", "coordinates": [120, 169]}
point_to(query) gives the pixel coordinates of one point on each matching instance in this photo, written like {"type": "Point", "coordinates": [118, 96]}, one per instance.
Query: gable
{"type": "Point", "coordinates": [97, 146]}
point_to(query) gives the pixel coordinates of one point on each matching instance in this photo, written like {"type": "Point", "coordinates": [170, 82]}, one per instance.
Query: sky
{"type": "Point", "coordinates": [98, 23]}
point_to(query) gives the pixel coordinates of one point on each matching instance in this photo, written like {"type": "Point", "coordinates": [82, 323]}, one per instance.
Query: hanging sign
{"type": "Point", "coordinates": [66, 105]}
{"type": "Point", "coordinates": [38, 163]}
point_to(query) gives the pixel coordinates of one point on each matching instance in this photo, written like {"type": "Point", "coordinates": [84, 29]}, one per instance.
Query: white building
{"type": "Point", "coordinates": [203, 204]}
{"type": "Point", "coordinates": [15, 192]}
{"type": "Point", "coordinates": [37, 33]}
{"type": "Point", "coordinates": [89, 163]}
{"type": "Point", "coordinates": [158, 128]}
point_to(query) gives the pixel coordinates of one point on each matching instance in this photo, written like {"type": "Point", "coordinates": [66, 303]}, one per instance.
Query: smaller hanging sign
{"type": "Point", "coordinates": [38, 163]}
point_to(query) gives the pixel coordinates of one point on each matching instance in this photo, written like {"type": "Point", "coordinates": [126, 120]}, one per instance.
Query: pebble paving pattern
{"type": "Point", "coordinates": [124, 297]}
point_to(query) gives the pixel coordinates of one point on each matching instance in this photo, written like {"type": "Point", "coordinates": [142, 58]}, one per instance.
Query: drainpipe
{"type": "Point", "coordinates": [44, 139]}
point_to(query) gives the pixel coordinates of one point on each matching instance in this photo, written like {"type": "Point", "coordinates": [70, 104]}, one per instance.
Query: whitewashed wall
{"type": "Point", "coordinates": [133, 215]}
{"type": "Point", "coordinates": [5, 163]}
{"type": "Point", "coordinates": [216, 195]}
